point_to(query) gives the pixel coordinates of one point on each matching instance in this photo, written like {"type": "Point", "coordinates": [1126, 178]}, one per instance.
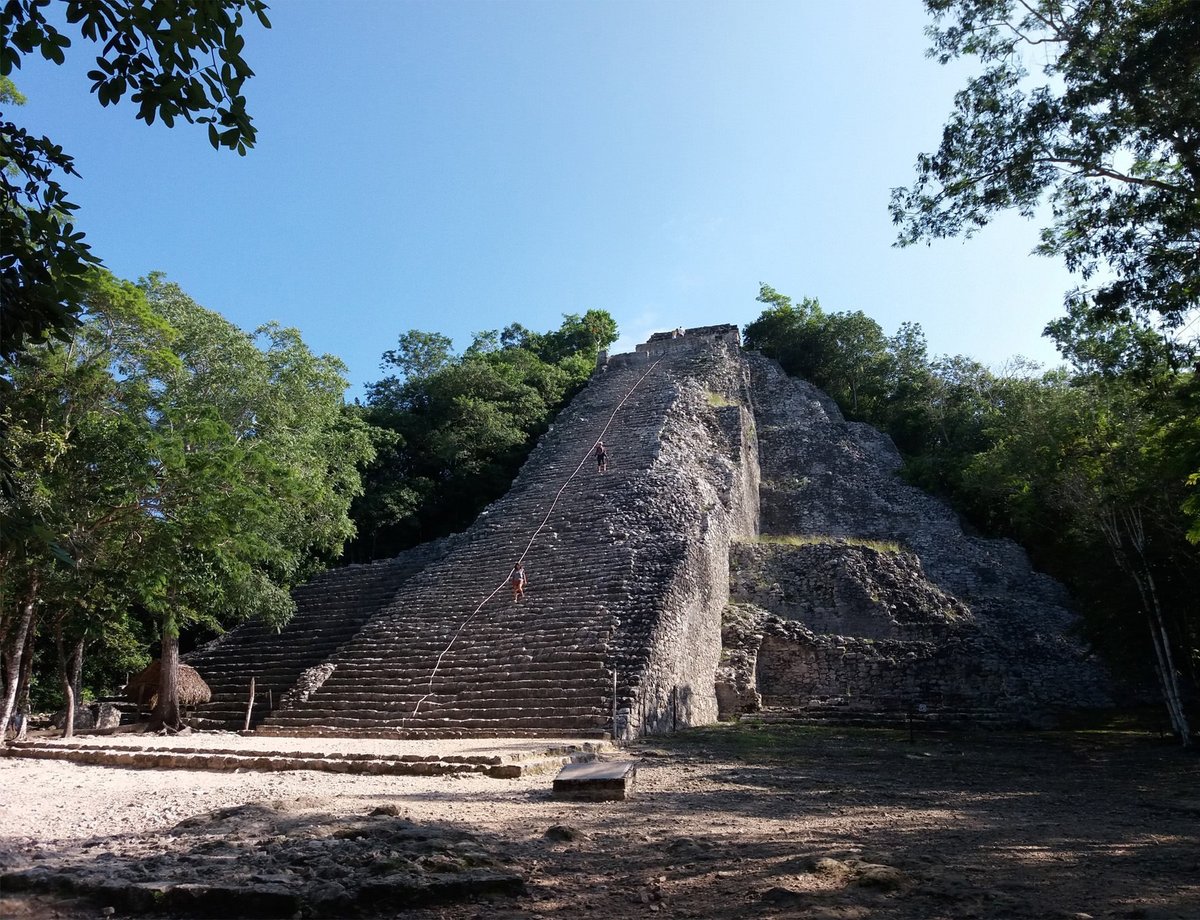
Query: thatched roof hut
{"type": "Point", "coordinates": [143, 687]}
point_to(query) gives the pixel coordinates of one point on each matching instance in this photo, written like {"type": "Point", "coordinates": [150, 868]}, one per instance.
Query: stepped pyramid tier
{"type": "Point", "coordinates": [653, 602]}
{"type": "Point", "coordinates": [876, 599]}
{"type": "Point", "coordinates": [330, 610]}
{"type": "Point", "coordinates": [628, 572]}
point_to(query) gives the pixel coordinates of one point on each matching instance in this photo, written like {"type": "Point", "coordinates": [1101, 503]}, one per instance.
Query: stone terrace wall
{"type": "Point", "coordinates": [851, 626]}
{"type": "Point", "coordinates": [796, 667]}
{"type": "Point", "coordinates": [845, 590]}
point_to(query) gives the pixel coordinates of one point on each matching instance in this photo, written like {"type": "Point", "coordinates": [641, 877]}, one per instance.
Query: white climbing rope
{"type": "Point", "coordinates": [542, 526]}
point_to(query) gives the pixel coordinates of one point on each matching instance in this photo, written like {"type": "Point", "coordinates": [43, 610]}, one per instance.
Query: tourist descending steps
{"type": "Point", "coordinates": [554, 669]}
{"type": "Point", "coordinates": [517, 579]}
{"type": "Point", "coordinates": [601, 458]}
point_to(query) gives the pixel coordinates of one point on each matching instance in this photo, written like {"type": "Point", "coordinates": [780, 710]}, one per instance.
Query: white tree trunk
{"type": "Point", "coordinates": [13, 658]}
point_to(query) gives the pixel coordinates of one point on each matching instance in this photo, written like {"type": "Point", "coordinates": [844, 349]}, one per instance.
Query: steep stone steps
{"type": "Point", "coordinates": [330, 610]}
{"type": "Point", "coordinates": [557, 644]}
{"type": "Point", "coordinates": [544, 663]}
{"type": "Point", "coordinates": [447, 725]}
{"type": "Point", "coordinates": [624, 578]}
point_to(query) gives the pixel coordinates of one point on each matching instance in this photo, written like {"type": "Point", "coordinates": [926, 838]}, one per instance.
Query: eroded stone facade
{"type": "Point", "coordinates": [904, 609]}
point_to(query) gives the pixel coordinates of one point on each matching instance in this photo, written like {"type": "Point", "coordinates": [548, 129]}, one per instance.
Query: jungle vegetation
{"type": "Point", "coordinates": [172, 475]}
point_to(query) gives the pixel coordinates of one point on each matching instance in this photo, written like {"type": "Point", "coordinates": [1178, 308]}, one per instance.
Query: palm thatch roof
{"type": "Point", "coordinates": [143, 687]}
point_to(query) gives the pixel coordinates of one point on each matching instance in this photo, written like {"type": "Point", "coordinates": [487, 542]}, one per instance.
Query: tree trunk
{"type": "Point", "coordinates": [166, 711]}
{"type": "Point", "coordinates": [26, 682]}
{"type": "Point", "coordinates": [77, 667]}
{"type": "Point", "coordinates": [69, 698]}
{"type": "Point", "coordinates": [1127, 527]}
{"type": "Point", "coordinates": [64, 677]}
{"type": "Point", "coordinates": [1170, 678]}
{"type": "Point", "coordinates": [13, 659]}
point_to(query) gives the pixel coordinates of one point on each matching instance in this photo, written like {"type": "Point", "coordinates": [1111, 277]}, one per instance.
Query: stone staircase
{"type": "Point", "coordinates": [330, 610]}
{"type": "Point", "coordinates": [451, 655]}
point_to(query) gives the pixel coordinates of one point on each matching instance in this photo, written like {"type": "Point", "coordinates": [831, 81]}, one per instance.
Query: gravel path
{"type": "Point", "coordinates": [726, 822]}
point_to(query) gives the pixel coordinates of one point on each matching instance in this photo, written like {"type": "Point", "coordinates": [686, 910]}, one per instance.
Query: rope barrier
{"type": "Point", "coordinates": [542, 526]}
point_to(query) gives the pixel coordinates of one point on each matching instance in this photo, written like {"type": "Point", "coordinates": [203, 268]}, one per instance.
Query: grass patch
{"type": "Point", "coordinates": [762, 743]}
{"type": "Point", "coordinates": [815, 539]}
{"type": "Point", "coordinates": [717, 401]}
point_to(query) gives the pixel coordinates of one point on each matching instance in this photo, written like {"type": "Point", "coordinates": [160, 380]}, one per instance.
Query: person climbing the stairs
{"type": "Point", "coordinates": [601, 458]}
{"type": "Point", "coordinates": [517, 579]}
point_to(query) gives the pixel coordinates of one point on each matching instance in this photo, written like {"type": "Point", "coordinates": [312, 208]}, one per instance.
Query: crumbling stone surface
{"type": "Point", "coordinates": [93, 715]}
{"type": "Point", "coordinates": [845, 589]}
{"type": "Point", "coordinates": [699, 495]}
{"type": "Point", "coordinates": [84, 718]}
{"type": "Point", "coordinates": [307, 684]}
{"type": "Point", "coordinates": [255, 861]}
{"type": "Point", "coordinates": [950, 620]}
{"type": "Point", "coordinates": [741, 637]}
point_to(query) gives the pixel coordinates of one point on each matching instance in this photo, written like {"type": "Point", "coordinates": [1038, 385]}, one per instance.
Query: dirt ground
{"type": "Point", "coordinates": [729, 821]}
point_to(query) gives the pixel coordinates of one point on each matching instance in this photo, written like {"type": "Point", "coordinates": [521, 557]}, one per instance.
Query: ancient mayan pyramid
{"type": "Point", "coordinates": [747, 547]}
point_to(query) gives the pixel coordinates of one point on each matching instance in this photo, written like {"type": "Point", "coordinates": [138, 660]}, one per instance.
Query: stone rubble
{"type": "Point", "coordinates": [252, 860]}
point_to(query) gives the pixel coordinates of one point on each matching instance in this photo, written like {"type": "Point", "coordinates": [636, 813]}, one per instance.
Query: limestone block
{"type": "Point", "coordinates": [596, 782]}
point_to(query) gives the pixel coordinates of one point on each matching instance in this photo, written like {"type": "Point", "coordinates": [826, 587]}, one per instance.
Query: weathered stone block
{"type": "Point", "coordinates": [596, 782]}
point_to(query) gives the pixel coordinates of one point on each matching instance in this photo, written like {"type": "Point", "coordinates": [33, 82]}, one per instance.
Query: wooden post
{"type": "Point", "coordinates": [270, 700]}
{"type": "Point", "coordinates": [249, 706]}
{"type": "Point", "coordinates": [615, 739]}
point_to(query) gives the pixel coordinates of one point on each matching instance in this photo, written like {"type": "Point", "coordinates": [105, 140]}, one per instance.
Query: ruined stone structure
{"type": "Point", "coordinates": [652, 601]}
{"type": "Point", "coordinates": [934, 619]}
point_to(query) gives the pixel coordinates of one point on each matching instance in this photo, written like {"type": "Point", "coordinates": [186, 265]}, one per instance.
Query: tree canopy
{"type": "Point", "coordinates": [175, 61]}
{"type": "Point", "coordinates": [1108, 138]}
{"type": "Point", "coordinates": [458, 427]}
{"type": "Point", "coordinates": [187, 472]}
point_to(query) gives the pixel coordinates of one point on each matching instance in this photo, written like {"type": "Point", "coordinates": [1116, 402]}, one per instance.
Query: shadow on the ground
{"type": "Point", "coordinates": [991, 825]}
{"type": "Point", "coordinates": [730, 821]}
{"type": "Point", "coordinates": [258, 861]}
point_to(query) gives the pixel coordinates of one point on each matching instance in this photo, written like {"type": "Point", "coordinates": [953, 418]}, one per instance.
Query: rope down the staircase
{"type": "Point", "coordinates": [542, 526]}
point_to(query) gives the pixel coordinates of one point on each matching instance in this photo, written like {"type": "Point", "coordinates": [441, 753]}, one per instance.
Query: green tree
{"type": "Point", "coordinates": [459, 426]}
{"type": "Point", "coordinates": [578, 335]}
{"type": "Point", "coordinates": [189, 469]}
{"type": "Point", "coordinates": [255, 464]}
{"type": "Point", "coordinates": [175, 61]}
{"type": "Point", "coordinates": [419, 354]}
{"type": "Point", "coordinates": [1077, 470]}
{"type": "Point", "coordinates": [843, 353]}
{"type": "Point", "coordinates": [1110, 140]}
{"type": "Point", "coordinates": [74, 447]}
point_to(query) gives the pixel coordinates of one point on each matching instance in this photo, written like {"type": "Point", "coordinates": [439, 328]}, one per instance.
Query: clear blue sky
{"type": "Point", "coordinates": [457, 166]}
